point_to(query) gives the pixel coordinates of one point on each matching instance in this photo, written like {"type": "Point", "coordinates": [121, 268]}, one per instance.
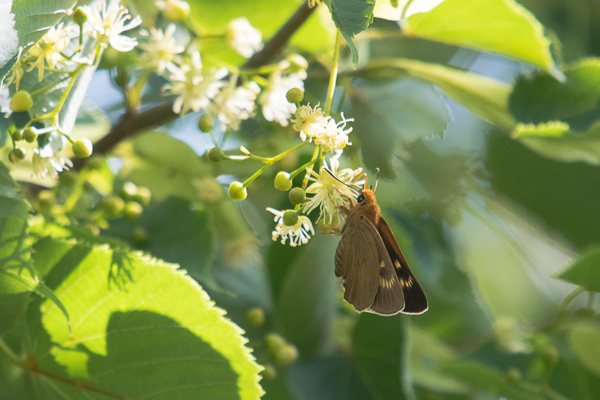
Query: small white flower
{"type": "Point", "coordinates": [107, 22]}
{"type": "Point", "coordinates": [297, 234]}
{"type": "Point", "coordinates": [243, 37]}
{"type": "Point", "coordinates": [234, 104]}
{"type": "Point", "coordinates": [160, 50]}
{"type": "Point", "coordinates": [309, 122]}
{"type": "Point", "coordinates": [330, 194]}
{"type": "Point", "coordinates": [47, 159]}
{"type": "Point", "coordinates": [335, 135]}
{"type": "Point", "coordinates": [275, 106]}
{"type": "Point", "coordinates": [194, 87]}
{"type": "Point", "coordinates": [47, 50]}
{"type": "Point", "coordinates": [5, 101]}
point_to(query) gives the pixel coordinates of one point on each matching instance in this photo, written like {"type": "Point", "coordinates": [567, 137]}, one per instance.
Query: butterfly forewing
{"type": "Point", "coordinates": [414, 297]}
{"type": "Point", "coordinates": [370, 282]}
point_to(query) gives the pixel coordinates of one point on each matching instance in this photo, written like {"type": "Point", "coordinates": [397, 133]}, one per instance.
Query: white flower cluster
{"type": "Point", "coordinates": [313, 125]}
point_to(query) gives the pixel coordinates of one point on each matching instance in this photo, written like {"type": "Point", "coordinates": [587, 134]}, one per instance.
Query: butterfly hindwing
{"type": "Point", "coordinates": [370, 282]}
{"type": "Point", "coordinates": [414, 297]}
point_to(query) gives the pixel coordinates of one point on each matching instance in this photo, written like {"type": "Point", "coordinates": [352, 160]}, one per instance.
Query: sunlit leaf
{"type": "Point", "coordinates": [351, 17]}
{"type": "Point", "coordinates": [497, 26]}
{"type": "Point", "coordinates": [583, 340]}
{"type": "Point", "coordinates": [585, 272]}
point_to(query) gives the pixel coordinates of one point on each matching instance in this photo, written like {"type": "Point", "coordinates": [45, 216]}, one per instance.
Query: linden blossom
{"type": "Point", "coordinates": [107, 21]}
{"type": "Point", "coordinates": [297, 234]}
{"type": "Point", "coordinates": [234, 104]}
{"type": "Point", "coordinates": [160, 50]}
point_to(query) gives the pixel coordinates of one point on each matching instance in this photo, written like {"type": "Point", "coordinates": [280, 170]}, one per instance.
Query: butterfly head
{"type": "Point", "coordinates": [366, 196]}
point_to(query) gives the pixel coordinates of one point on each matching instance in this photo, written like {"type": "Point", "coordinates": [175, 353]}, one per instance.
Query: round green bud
{"type": "Point", "coordinates": [129, 190]}
{"type": "Point", "coordinates": [82, 148]}
{"type": "Point", "coordinates": [21, 101]}
{"type": "Point", "coordinates": [133, 210]}
{"type": "Point", "coordinates": [256, 316]}
{"type": "Point", "coordinates": [112, 205]}
{"type": "Point", "coordinates": [294, 95]}
{"type": "Point", "coordinates": [30, 135]}
{"type": "Point", "coordinates": [290, 217]}
{"type": "Point", "coordinates": [297, 195]}
{"type": "Point", "coordinates": [79, 16]}
{"type": "Point", "coordinates": [45, 199]}
{"type": "Point", "coordinates": [283, 181]}
{"type": "Point", "coordinates": [139, 235]}
{"type": "Point", "coordinates": [269, 372]}
{"type": "Point", "coordinates": [237, 191]}
{"type": "Point", "coordinates": [274, 342]}
{"type": "Point", "coordinates": [286, 355]}
{"type": "Point", "coordinates": [143, 195]}
{"type": "Point", "coordinates": [176, 10]}
{"type": "Point", "coordinates": [17, 135]}
{"type": "Point", "coordinates": [206, 123]}
{"type": "Point", "coordinates": [216, 154]}
{"type": "Point", "coordinates": [16, 155]}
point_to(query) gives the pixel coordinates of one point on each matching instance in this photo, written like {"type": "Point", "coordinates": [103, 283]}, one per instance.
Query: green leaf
{"type": "Point", "coordinates": [392, 114]}
{"type": "Point", "coordinates": [484, 96]}
{"type": "Point", "coordinates": [497, 26]}
{"type": "Point", "coordinates": [164, 164]}
{"type": "Point", "coordinates": [585, 272]}
{"type": "Point", "coordinates": [583, 340]}
{"type": "Point", "coordinates": [13, 223]}
{"type": "Point", "coordinates": [32, 19]}
{"type": "Point", "coordinates": [540, 98]}
{"type": "Point", "coordinates": [351, 17]}
{"type": "Point", "coordinates": [140, 328]}
{"type": "Point", "coordinates": [315, 35]}
{"type": "Point", "coordinates": [556, 140]}
{"type": "Point", "coordinates": [308, 298]}
{"type": "Point", "coordinates": [378, 345]}
{"type": "Point", "coordinates": [177, 232]}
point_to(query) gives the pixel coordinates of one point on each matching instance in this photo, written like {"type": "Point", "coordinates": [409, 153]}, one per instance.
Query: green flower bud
{"type": "Point", "coordinates": [129, 190]}
{"type": "Point", "coordinates": [16, 155]}
{"type": "Point", "coordinates": [176, 10]}
{"type": "Point", "coordinates": [286, 355]}
{"type": "Point", "coordinates": [143, 195]}
{"type": "Point", "coordinates": [290, 217]}
{"type": "Point", "coordinates": [21, 101]}
{"type": "Point", "coordinates": [139, 235]}
{"type": "Point", "coordinates": [17, 135]}
{"type": "Point", "coordinates": [274, 343]}
{"type": "Point", "coordinates": [133, 210]}
{"type": "Point", "coordinates": [237, 191]}
{"type": "Point", "coordinates": [216, 154]}
{"type": "Point", "coordinates": [206, 123]}
{"type": "Point", "coordinates": [294, 95]}
{"type": "Point", "coordinates": [297, 195]}
{"type": "Point", "coordinates": [283, 181]}
{"type": "Point", "coordinates": [30, 135]}
{"type": "Point", "coordinates": [79, 16]}
{"type": "Point", "coordinates": [82, 148]}
{"type": "Point", "coordinates": [256, 316]}
{"type": "Point", "coordinates": [45, 199]}
{"type": "Point", "coordinates": [269, 372]}
{"type": "Point", "coordinates": [112, 205]}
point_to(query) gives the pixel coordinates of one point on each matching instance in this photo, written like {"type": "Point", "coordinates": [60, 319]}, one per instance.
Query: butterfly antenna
{"type": "Point", "coordinates": [376, 179]}
{"type": "Point", "coordinates": [340, 181]}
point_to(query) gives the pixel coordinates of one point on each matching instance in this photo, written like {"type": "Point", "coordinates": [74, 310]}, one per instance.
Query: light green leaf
{"type": "Point", "coordinates": [164, 164]}
{"type": "Point", "coordinates": [392, 114]}
{"type": "Point", "coordinates": [484, 96]}
{"type": "Point", "coordinates": [140, 328]}
{"type": "Point", "coordinates": [13, 222]}
{"type": "Point", "coordinates": [497, 26]}
{"type": "Point", "coordinates": [308, 298]}
{"type": "Point", "coordinates": [351, 17]}
{"type": "Point", "coordinates": [585, 272]}
{"type": "Point", "coordinates": [32, 19]}
{"type": "Point", "coordinates": [556, 140]}
{"type": "Point", "coordinates": [583, 340]}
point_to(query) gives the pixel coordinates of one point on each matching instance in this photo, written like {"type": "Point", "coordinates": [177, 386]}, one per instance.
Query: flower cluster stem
{"type": "Point", "coordinates": [333, 73]}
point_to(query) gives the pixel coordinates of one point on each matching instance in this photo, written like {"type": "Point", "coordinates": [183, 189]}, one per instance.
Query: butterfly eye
{"type": "Point", "coordinates": [360, 198]}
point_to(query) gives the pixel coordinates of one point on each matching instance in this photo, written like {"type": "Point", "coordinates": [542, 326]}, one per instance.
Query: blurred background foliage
{"type": "Point", "coordinates": [488, 222]}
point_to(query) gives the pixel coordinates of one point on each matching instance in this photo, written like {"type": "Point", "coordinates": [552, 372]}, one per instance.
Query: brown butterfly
{"type": "Point", "coordinates": [376, 276]}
